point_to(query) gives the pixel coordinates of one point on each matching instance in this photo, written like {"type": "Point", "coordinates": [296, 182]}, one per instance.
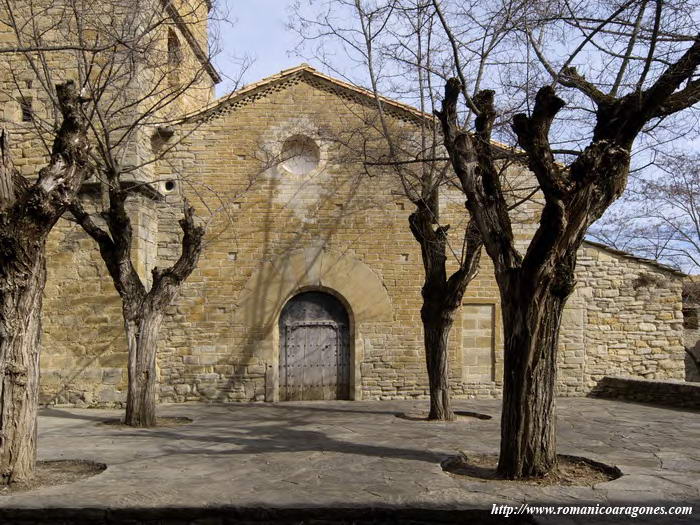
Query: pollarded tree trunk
{"type": "Point", "coordinates": [142, 338]}
{"type": "Point", "coordinates": [441, 297]}
{"type": "Point", "coordinates": [437, 322]}
{"type": "Point", "coordinates": [142, 310]}
{"type": "Point", "coordinates": [531, 321]}
{"type": "Point", "coordinates": [20, 331]}
{"type": "Point", "coordinates": [534, 287]}
{"type": "Point", "coordinates": [28, 212]}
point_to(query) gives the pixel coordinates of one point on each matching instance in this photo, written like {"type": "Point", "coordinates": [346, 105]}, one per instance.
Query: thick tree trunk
{"type": "Point", "coordinates": [20, 331]}
{"type": "Point", "coordinates": [143, 311]}
{"type": "Point", "coordinates": [436, 331]}
{"type": "Point", "coordinates": [28, 212]}
{"type": "Point", "coordinates": [534, 287]}
{"type": "Point", "coordinates": [441, 297]}
{"type": "Point", "coordinates": [142, 337]}
{"type": "Point", "coordinates": [528, 422]}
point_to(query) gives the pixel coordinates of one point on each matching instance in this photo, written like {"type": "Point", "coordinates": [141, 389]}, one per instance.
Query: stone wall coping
{"type": "Point", "coordinates": [671, 393]}
{"type": "Point", "coordinates": [644, 380]}
{"type": "Point", "coordinates": [627, 255]}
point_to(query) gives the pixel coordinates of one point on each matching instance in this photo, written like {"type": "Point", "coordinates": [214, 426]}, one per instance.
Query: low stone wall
{"type": "Point", "coordinates": [669, 393]}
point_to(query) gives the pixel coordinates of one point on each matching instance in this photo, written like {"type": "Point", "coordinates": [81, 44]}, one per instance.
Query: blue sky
{"type": "Point", "coordinates": [258, 31]}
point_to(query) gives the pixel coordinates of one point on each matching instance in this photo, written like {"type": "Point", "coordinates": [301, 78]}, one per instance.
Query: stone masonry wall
{"type": "Point", "coordinates": [211, 357]}
{"type": "Point", "coordinates": [661, 392]}
{"type": "Point", "coordinates": [273, 232]}
{"type": "Point", "coordinates": [335, 209]}
{"type": "Point", "coordinates": [84, 355]}
{"type": "Point", "coordinates": [28, 77]}
{"type": "Point", "coordinates": [634, 319]}
{"type": "Point", "coordinates": [83, 358]}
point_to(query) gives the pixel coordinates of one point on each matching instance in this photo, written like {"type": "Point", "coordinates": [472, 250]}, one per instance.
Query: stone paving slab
{"type": "Point", "coordinates": [333, 455]}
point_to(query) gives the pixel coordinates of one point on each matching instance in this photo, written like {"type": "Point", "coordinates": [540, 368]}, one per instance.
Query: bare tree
{"type": "Point", "coordinates": [396, 44]}
{"type": "Point", "coordinates": [422, 183]}
{"type": "Point", "coordinates": [411, 154]}
{"type": "Point", "coordinates": [641, 69]}
{"type": "Point", "coordinates": [658, 218]}
{"type": "Point", "coordinates": [130, 60]}
{"type": "Point", "coordinates": [28, 212]}
{"type": "Point", "coordinates": [627, 69]}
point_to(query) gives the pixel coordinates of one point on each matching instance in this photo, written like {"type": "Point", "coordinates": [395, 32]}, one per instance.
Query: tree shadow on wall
{"type": "Point", "coordinates": [328, 218]}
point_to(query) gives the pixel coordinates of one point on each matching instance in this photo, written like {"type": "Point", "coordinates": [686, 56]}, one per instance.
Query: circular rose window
{"type": "Point", "coordinates": [300, 154]}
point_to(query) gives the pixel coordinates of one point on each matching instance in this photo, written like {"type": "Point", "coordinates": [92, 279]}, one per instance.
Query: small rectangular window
{"type": "Point", "coordinates": [25, 104]}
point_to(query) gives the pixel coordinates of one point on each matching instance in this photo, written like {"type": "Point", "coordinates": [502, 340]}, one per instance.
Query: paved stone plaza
{"type": "Point", "coordinates": [334, 455]}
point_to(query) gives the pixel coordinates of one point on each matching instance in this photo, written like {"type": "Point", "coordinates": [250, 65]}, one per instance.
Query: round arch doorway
{"type": "Point", "coordinates": [314, 362]}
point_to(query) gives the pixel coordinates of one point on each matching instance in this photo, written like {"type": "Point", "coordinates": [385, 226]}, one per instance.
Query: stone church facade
{"type": "Point", "coordinates": [309, 283]}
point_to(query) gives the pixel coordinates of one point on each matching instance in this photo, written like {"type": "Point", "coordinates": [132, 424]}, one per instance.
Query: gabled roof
{"type": "Point", "coordinates": [259, 89]}
{"type": "Point", "coordinates": [361, 95]}
{"type": "Point", "coordinates": [279, 81]}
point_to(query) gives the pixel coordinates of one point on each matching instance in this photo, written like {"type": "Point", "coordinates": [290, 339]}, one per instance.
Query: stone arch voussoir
{"type": "Point", "coordinates": [270, 287]}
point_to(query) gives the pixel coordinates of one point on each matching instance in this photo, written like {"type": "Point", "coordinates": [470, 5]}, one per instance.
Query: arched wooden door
{"type": "Point", "coordinates": [314, 348]}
